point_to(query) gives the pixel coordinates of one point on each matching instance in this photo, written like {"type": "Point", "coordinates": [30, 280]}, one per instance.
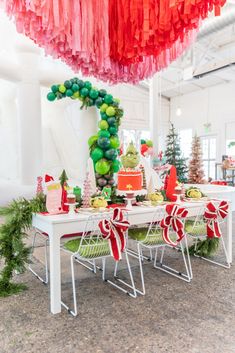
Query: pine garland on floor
{"type": "Point", "coordinates": [13, 251]}
{"type": "Point", "coordinates": [205, 248]}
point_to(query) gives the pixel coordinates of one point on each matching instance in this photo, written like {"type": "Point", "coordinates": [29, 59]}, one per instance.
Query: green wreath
{"type": "Point", "coordinates": [104, 147]}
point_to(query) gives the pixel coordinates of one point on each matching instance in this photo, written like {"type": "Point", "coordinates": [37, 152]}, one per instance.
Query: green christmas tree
{"type": "Point", "coordinates": [174, 155]}
{"type": "Point", "coordinates": [63, 178]}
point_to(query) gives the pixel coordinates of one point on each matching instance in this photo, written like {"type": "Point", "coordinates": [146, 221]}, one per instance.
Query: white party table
{"type": "Point", "coordinates": [58, 225]}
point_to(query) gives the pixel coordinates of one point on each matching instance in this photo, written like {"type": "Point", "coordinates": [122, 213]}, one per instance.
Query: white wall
{"type": "Point", "coordinates": [197, 110]}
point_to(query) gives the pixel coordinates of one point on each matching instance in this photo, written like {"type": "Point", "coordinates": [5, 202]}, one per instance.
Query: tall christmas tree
{"type": "Point", "coordinates": [174, 156]}
{"type": "Point", "coordinates": [196, 173]}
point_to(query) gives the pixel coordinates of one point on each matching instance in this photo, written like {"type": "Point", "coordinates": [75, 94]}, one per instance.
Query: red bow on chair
{"type": "Point", "coordinates": [212, 214]}
{"type": "Point", "coordinates": [174, 220]}
{"type": "Point", "coordinates": [114, 230]}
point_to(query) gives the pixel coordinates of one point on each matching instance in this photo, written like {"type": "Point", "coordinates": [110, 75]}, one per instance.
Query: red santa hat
{"type": "Point", "coordinates": [48, 178]}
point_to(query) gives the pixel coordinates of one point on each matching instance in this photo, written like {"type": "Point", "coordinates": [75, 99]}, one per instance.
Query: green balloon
{"type": "Point", "coordinates": [69, 93]}
{"type": "Point", "coordinates": [54, 88]}
{"type": "Point", "coordinates": [149, 143]}
{"type": "Point", "coordinates": [92, 140]}
{"type": "Point", "coordinates": [93, 94]}
{"type": "Point", "coordinates": [103, 125]}
{"type": "Point", "coordinates": [102, 166]}
{"type": "Point", "coordinates": [114, 142]}
{"type": "Point", "coordinates": [116, 166]}
{"type": "Point", "coordinates": [51, 96]}
{"type": "Point", "coordinates": [84, 92]}
{"type": "Point", "coordinates": [80, 83]}
{"type": "Point", "coordinates": [104, 116]}
{"type": "Point", "coordinates": [75, 87]}
{"type": "Point", "coordinates": [113, 130]}
{"type": "Point", "coordinates": [97, 154]}
{"type": "Point", "coordinates": [103, 133]}
{"type": "Point", "coordinates": [143, 142]}
{"type": "Point", "coordinates": [88, 85]}
{"type": "Point", "coordinates": [67, 84]}
{"type": "Point", "coordinates": [62, 88]}
{"type": "Point", "coordinates": [103, 142]}
{"type": "Point", "coordinates": [111, 154]}
{"type": "Point", "coordinates": [111, 121]}
{"type": "Point", "coordinates": [98, 102]}
{"type": "Point", "coordinates": [110, 111]}
{"type": "Point", "coordinates": [102, 92]}
{"type": "Point", "coordinates": [108, 99]}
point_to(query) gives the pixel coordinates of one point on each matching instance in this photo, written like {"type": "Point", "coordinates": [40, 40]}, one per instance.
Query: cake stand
{"type": "Point", "coordinates": [178, 200]}
{"type": "Point", "coordinates": [71, 208]}
{"type": "Point", "coordinates": [129, 200]}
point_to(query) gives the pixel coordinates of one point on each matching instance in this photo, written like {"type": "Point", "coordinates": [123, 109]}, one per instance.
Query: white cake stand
{"type": "Point", "coordinates": [71, 208]}
{"type": "Point", "coordinates": [178, 200]}
{"type": "Point", "coordinates": [135, 192]}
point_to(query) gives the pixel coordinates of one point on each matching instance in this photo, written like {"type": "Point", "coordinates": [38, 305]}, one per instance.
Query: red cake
{"type": "Point", "coordinates": [129, 180]}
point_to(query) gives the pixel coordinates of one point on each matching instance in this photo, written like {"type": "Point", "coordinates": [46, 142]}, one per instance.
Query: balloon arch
{"type": "Point", "coordinates": [104, 147]}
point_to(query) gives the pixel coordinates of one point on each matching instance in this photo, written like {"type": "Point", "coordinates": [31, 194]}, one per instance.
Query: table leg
{"type": "Point", "coordinates": [55, 274]}
{"type": "Point", "coordinates": [229, 233]}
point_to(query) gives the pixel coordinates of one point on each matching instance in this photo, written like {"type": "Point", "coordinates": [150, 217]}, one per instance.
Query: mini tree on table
{"type": "Point", "coordinates": [196, 172]}
{"type": "Point", "coordinates": [87, 192]}
{"type": "Point", "coordinates": [39, 185]}
{"type": "Point", "coordinates": [63, 178]}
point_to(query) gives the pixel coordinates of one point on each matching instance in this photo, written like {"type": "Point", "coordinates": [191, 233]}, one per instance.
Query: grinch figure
{"type": "Point", "coordinates": [131, 159]}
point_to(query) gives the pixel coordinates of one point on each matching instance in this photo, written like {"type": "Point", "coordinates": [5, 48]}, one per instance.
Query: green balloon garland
{"type": "Point", "coordinates": [104, 147]}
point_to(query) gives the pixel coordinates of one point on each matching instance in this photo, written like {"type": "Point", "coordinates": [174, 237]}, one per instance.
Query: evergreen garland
{"type": "Point", "coordinates": [205, 248]}
{"type": "Point", "coordinates": [13, 251]}
{"type": "Point", "coordinates": [174, 156]}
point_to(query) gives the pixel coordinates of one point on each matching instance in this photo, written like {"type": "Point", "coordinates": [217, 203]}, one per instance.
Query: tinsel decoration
{"type": "Point", "coordinates": [87, 192]}
{"type": "Point", "coordinates": [196, 173]}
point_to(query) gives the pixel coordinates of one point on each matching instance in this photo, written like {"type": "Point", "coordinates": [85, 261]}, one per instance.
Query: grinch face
{"type": "Point", "coordinates": [131, 159]}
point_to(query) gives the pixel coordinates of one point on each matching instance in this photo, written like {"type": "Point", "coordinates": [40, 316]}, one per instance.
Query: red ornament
{"type": "Point", "coordinates": [143, 149]}
{"type": "Point", "coordinates": [64, 198]}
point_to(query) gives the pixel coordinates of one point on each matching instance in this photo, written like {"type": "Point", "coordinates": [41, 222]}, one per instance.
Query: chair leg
{"type": "Point", "coordinates": [103, 268]}
{"type": "Point", "coordinates": [46, 279]}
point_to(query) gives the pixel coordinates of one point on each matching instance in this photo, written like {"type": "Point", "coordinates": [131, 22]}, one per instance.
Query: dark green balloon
{"type": "Point", "coordinates": [111, 154]}
{"type": "Point", "coordinates": [113, 130]}
{"type": "Point", "coordinates": [102, 92]}
{"type": "Point", "coordinates": [69, 93]}
{"type": "Point", "coordinates": [59, 95]}
{"type": "Point", "coordinates": [104, 116]}
{"type": "Point", "coordinates": [115, 166]}
{"type": "Point", "coordinates": [97, 154]}
{"type": "Point", "coordinates": [75, 87]}
{"type": "Point", "coordinates": [111, 121]}
{"type": "Point", "coordinates": [87, 84]}
{"type": "Point", "coordinates": [51, 96]}
{"type": "Point", "coordinates": [103, 133]}
{"type": "Point", "coordinates": [80, 83]}
{"type": "Point", "coordinates": [93, 94]}
{"type": "Point", "coordinates": [84, 92]}
{"type": "Point", "coordinates": [103, 142]}
{"type": "Point", "coordinates": [55, 88]}
{"type": "Point", "coordinates": [108, 99]}
{"type": "Point", "coordinates": [68, 84]}
{"type": "Point", "coordinates": [98, 102]}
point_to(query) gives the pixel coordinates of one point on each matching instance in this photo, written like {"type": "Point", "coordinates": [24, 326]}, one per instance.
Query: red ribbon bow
{"type": "Point", "coordinates": [174, 220]}
{"type": "Point", "coordinates": [212, 215]}
{"type": "Point", "coordinates": [114, 230]}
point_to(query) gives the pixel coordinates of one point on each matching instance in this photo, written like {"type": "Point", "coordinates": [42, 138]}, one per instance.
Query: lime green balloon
{"type": "Point", "coordinates": [103, 108]}
{"type": "Point", "coordinates": [92, 140]}
{"type": "Point", "coordinates": [116, 166]}
{"type": "Point", "coordinates": [62, 88]}
{"type": "Point", "coordinates": [104, 133]}
{"type": "Point", "coordinates": [76, 95]}
{"type": "Point", "coordinates": [110, 111]}
{"type": "Point", "coordinates": [149, 143]}
{"type": "Point", "coordinates": [97, 154]}
{"type": "Point", "coordinates": [103, 125]}
{"type": "Point", "coordinates": [114, 142]}
{"type": "Point", "coordinates": [102, 166]}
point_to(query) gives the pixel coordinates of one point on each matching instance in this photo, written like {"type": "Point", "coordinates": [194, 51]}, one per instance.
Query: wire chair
{"type": "Point", "coordinates": [196, 227]}
{"type": "Point", "coordinates": [92, 246]}
{"type": "Point", "coordinates": [152, 240]}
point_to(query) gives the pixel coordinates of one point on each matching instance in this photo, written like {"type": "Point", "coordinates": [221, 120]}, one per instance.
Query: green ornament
{"type": "Point", "coordinates": [103, 142]}
{"type": "Point", "coordinates": [111, 154]}
{"type": "Point", "coordinates": [88, 85]}
{"type": "Point", "coordinates": [114, 142]}
{"type": "Point", "coordinates": [103, 125]}
{"type": "Point", "coordinates": [97, 154]}
{"type": "Point", "coordinates": [51, 96]}
{"type": "Point", "coordinates": [69, 93]}
{"type": "Point", "coordinates": [103, 133]}
{"type": "Point", "coordinates": [102, 92]}
{"type": "Point", "coordinates": [67, 84]}
{"type": "Point", "coordinates": [92, 140]}
{"type": "Point", "coordinates": [75, 87]}
{"type": "Point", "coordinates": [113, 130]}
{"type": "Point", "coordinates": [93, 94]}
{"type": "Point", "coordinates": [115, 166]}
{"type": "Point", "coordinates": [108, 99]}
{"type": "Point", "coordinates": [54, 88]}
{"type": "Point", "coordinates": [103, 108]}
{"type": "Point", "coordinates": [110, 111]}
{"type": "Point", "coordinates": [62, 88]}
{"type": "Point", "coordinates": [80, 83]}
{"type": "Point", "coordinates": [111, 121]}
{"type": "Point", "coordinates": [84, 92]}
{"type": "Point", "coordinates": [102, 166]}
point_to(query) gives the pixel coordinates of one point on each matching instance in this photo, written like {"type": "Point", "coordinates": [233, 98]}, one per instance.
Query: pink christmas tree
{"type": "Point", "coordinates": [39, 185]}
{"type": "Point", "coordinates": [87, 192]}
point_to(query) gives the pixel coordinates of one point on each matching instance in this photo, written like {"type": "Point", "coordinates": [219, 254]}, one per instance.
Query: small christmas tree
{"type": "Point", "coordinates": [174, 156]}
{"type": "Point", "coordinates": [87, 192]}
{"type": "Point", "coordinates": [63, 178]}
{"type": "Point", "coordinates": [196, 172]}
{"type": "Point", "coordinates": [39, 185]}
{"type": "Point", "coordinates": [144, 184]}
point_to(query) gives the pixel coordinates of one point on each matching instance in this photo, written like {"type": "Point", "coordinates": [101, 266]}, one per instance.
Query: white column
{"type": "Point", "coordinates": [29, 116]}
{"type": "Point", "coordinates": [155, 113]}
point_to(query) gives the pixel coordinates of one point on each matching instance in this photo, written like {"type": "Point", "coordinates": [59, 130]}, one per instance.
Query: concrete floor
{"type": "Point", "coordinates": [172, 317]}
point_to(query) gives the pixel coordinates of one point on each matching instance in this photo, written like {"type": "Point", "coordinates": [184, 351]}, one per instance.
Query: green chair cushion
{"type": "Point", "coordinates": [198, 230]}
{"type": "Point", "coordinates": [90, 247]}
{"type": "Point", "coordinates": [154, 238]}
